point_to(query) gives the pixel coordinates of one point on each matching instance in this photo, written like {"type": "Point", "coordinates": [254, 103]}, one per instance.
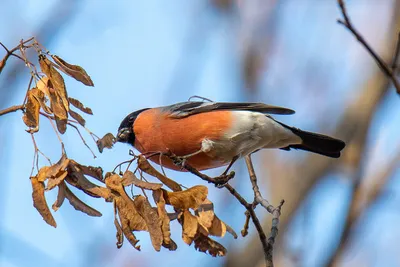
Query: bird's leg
{"type": "Point", "coordinates": [181, 160]}
{"type": "Point", "coordinates": [234, 159]}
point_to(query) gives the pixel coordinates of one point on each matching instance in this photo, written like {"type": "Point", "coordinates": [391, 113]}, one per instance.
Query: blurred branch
{"type": "Point", "coordinates": [10, 52]}
{"type": "Point", "coordinates": [359, 205]}
{"type": "Point", "coordinates": [384, 67]}
{"type": "Point", "coordinates": [11, 109]}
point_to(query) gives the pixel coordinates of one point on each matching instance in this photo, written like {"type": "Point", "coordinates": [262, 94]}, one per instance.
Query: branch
{"type": "Point", "coordinates": [10, 52]}
{"type": "Point", "coordinates": [359, 205]}
{"type": "Point", "coordinates": [222, 181]}
{"type": "Point", "coordinates": [382, 65]}
{"type": "Point", "coordinates": [11, 109]}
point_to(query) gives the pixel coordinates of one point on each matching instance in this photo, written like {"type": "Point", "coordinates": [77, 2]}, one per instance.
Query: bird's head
{"type": "Point", "coordinates": [125, 130]}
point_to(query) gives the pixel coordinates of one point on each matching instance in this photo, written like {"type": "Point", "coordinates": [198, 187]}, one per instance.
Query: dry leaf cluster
{"type": "Point", "coordinates": [47, 97]}
{"type": "Point", "coordinates": [191, 207]}
{"type": "Point", "coordinates": [50, 95]}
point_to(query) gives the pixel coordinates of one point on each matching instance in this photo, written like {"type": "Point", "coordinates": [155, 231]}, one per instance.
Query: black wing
{"type": "Point", "coordinates": [184, 109]}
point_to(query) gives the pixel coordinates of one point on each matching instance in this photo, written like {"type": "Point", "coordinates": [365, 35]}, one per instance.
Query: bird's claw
{"type": "Point", "coordinates": [223, 179]}
{"type": "Point", "coordinates": [180, 162]}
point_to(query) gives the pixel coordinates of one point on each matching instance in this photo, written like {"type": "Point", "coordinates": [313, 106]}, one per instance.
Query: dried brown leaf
{"type": "Point", "coordinates": [42, 85]}
{"type": "Point", "coordinates": [119, 234]}
{"type": "Point", "coordinates": [145, 166]}
{"type": "Point", "coordinates": [76, 72]}
{"type": "Point", "coordinates": [51, 183]}
{"type": "Point", "coordinates": [152, 220]}
{"type": "Point", "coordinates": [77, 117]}
{"type": "Point", "coordinates": [54, 170]}
{"type": "Point", "coordinates": [164, 219]}
{"type": "Point", "coordinates": [190, 198]}
{"type": "Point", "coordinates": [126, 208]}
{"type": "Point", "coordinates": [41, 98]}
{"type": "Point", "coordinates": [77, 179]}
{"type": "Point", "coordinates": [128, 232]}
{"type": "Point", "coordinates": [76, 103]}
{"type": "Point", "coordinates": [107, 141]}
{"type": "Point", "coordinates": [129, 178]}
{"type": "Point", "coordinates": [95, 172]}
{"type": "Point", "coordinates": [189, 226]}
{"type": "Point", "coordinates": [212, 224]}
{"type": "Point", "coordinates": [31, 114]}
{"type": "Point", "coordinates": [60, 196]}
{"type": "Point", "coordinates": [42, 174]}
{"type": "Point", "coordinates": [79, 204]}
{"type": "Point", "coordinates": [39, 201]}
{"type": "Point", "coordinates": [56, 79]}
{"type": "Point", "coordinates": [60, 113]}
{"type": "Point", "coordinates": [205, 244]}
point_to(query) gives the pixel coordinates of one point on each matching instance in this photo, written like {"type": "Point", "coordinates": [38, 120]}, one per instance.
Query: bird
{"type": "Point", "coordinates": [208, 135]}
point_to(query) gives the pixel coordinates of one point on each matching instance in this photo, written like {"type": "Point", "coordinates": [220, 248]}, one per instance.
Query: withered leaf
{"type": "Point", "coordinates": [31, 114]}
{"type": "Point", "coordinates": [189, 226]}
{"type": "Point", "coordinates": [54, 169]}
{"type": "Point", "coordinates": [107, 141]}
{"type": "Point", "coordinates": [145, 166]}
{"type": "Point", "coordinates": [79, 204]}
{"type": "Point", "coordinates": [39, 201]}
{"type": "Point", "coordinates": [60, 196]}
{"type": "Point", "coordinates": [126, 208]}
{"type": "Point", "coordinates": [129, 178]}
{"type": "Point", "coordinates": [77, 179]}
{"type": "Point", "coordinates": [77, 117]}
{"type": "Point", "coordinates": [43, 174]}
{"type": "Point", "coordinates": [119, 234]}
{"type": "Point", "coordinates": [42, 85]}
{"type": "Point", "coordinates": [164, 219]}
{"type": "Point", "coordinates": [128, 232]}
{"type": "Point", "coordinates": [211, 223]}
{"type": "Point", "coordinates": [152, 220]}
{"type": "Point", "coordinates": [60, 113]}
{"type": "Point", "coordinates": [76, 72]}
{"type": "Point", "coordinates": [41, 98]}
{"type": "Point", "coordinates": [95, 172]}
{"type": "Point", "coordinates": [190, 198]}
{"type": "Point", "coordinates": [51, 183]}
{"type": "Point", "coordinates": [205, 244]}
{"type": "Point", "coordinates": [76, 103]}
{"type": "Point", "coordinates": [56, 79]}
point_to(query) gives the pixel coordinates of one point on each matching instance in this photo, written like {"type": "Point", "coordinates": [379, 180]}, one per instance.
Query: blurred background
{"type": "Point", "coordinates": [150, 53]}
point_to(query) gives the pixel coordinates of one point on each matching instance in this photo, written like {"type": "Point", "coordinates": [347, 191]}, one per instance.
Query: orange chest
{"type": "Point", "coordinates": [156, 132]}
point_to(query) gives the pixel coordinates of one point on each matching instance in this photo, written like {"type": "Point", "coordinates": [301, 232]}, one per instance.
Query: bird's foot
{"type": "Point", "coordinates": [179, 161]}
{"type": "Point", "coordinates": [223, 179]}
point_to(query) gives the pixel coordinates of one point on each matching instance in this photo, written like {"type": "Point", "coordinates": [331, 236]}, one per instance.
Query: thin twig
{"type": "Point", "coordinates": [10, 52]}
{"type": "Point", "coordinates": [258, 199]}
{"type": "Point", "coordinates": [11, 109]}
{"type": "Point", "coordinates": [245, 231]}
{"type": "Point", "coordinates": [83, 139]}
{"type": "Point", "coordinates": [395, 63]}
{"type": "Point", "coordinates": [384, 67]}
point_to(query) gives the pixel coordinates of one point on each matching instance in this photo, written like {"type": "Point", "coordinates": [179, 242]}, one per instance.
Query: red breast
{"type": "Point", "coordinates": [155, 131]}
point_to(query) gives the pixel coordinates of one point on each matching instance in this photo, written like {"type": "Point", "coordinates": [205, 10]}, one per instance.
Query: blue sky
{"type": "Point", "coordinates": [150, 53]}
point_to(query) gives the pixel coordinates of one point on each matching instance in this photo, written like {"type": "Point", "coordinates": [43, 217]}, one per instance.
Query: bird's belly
{"type": "Point", "coordinates": [249, 132]}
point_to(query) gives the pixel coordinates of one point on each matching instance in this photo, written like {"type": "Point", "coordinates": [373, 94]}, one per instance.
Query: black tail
{"type": "Point", "coordinates": [317, 143]}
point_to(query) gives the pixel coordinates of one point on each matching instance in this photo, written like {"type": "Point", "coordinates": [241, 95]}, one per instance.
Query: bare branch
{"type": "Point", "coordinates": [10, 52]}
{"type": "Point", "coordinates": [382, 65]}
{"type": "Point", "coordinates": [11, 109]}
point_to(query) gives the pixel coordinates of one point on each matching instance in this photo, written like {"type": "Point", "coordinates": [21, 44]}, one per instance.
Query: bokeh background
{"type": "Point", "coordinates": [150, 53]}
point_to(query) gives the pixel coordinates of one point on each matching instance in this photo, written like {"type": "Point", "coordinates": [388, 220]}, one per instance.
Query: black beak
{"type": "Point", "coordinates": [124, 134]}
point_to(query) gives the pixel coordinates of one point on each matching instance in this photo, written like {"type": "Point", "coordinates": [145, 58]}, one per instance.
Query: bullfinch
{"type": "Point", "coordinates": [213, 134]}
